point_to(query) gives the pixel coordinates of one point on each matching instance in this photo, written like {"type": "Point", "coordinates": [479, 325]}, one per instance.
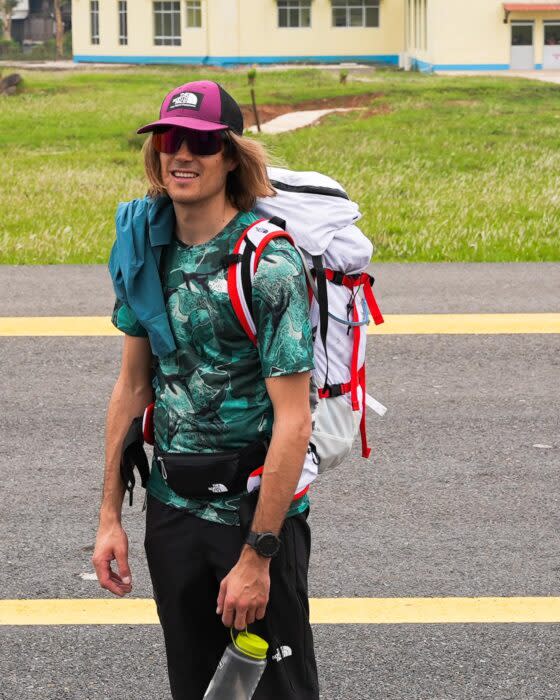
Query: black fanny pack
{"type": "Point", "coordinates": [210, 474]}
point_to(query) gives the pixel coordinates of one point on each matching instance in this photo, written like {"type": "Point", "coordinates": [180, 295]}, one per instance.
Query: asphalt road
{"type": "Point", "coordinates": [457, 501]}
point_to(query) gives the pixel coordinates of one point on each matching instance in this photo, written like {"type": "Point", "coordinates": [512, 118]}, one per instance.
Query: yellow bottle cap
{"type": "Point", "coordinates": [251, 644]}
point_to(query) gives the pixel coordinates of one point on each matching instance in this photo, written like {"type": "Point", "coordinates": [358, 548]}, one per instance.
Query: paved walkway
{"type": "Point", "coordinates": [297, 120]}
{"type": "Point", "coordinates": [545, 76]}
{"type": "Point", "coordinates": [71, 65]}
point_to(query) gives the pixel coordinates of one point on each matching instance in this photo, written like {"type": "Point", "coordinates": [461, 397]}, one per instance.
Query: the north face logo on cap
{"type": "Point", "coordinates": [186, 100]}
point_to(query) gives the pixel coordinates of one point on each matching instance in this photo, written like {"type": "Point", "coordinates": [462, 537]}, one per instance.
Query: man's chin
{"type": "Point", "coordinates": [181, 196]}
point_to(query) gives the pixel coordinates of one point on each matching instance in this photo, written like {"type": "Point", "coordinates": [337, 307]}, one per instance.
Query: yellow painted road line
{"type": "Point", "coordinates": [373, 611]}
{"type": "Point", "coordinates": [487, 324]}
{"type": "Point", "coordinates": [57, 326]}
{"type": "Point", "coordinates": [399, 324]}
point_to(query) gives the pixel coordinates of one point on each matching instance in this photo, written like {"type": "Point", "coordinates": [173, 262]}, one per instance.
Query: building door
{"type": "Point", "coordinates": [551, 57]}
{"type": "Point", "coordinates": [522, 49]}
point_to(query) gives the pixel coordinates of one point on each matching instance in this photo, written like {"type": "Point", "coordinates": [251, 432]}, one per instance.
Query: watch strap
{"type": "Point", "coordinates": [253, 539]}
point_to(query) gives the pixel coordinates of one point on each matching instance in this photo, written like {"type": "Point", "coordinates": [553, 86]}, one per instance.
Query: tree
{"type": "Point", "coordinates": [6, 9]}
{"type": "Point", "coordinates": [59, 28]}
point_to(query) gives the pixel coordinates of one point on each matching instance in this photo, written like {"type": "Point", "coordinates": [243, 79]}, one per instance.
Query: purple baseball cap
{"type": "Point", "coordinates": [202, 105]}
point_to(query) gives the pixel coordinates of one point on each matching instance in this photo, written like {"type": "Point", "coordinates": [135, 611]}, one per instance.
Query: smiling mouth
{"type": "Point", "coordinates": [184, 174]}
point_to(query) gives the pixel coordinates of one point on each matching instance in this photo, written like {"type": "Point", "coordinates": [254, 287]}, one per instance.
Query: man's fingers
{"type": "Point", "coordinates": [250, 617]}
{"type": "Point", "coordinates": [240, 619]}
{"type": "Point", "coordinates": [122, 565]}
{"type": "Point", "coordinates": [117, 588]}
{"type": "Point", "coordinates": [229, 613]}
{"type": "Point", "coordinates": [260, 612]}
{"type": "Point", "coordinates": [124, 587]}
{"type": "Point", "coordinates": [103, 570]}
{"type": "Point", "coordinates": [221, 596]}
{"type": "Point", "coordinates": [110, 580]}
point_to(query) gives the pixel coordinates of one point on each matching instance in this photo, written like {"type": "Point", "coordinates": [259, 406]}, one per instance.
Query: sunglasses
{"type": "Point", "coordinates": [199, 143]}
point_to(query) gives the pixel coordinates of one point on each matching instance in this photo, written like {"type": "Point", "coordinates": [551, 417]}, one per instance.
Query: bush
{"type": "Point", "coordinates": [45, 51]}
{"type": "Point", "coordinates": [9, 49]}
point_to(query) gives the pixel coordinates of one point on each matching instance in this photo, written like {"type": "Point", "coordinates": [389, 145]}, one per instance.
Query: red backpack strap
{"type": "Point", "coordinates": [352, 281]}
{"type": "Point", "coordinates": [243, 266]}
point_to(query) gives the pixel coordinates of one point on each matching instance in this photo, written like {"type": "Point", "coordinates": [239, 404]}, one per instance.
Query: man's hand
{"type": "Point", "coordinates": [112, 543]}
{"type": "Point", "coordinates": [244, 592]}
{"type": "Point", "coordinates": [131, 394]}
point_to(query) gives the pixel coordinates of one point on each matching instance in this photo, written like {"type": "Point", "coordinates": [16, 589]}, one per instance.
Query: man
{"type": "Point", "coordinates": [215, 393]}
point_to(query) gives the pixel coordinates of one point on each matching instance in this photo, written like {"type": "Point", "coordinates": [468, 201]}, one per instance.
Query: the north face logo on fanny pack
{"type": "Point", "coordinates": [186, 100]}
{"type": "Point", "coordinates": [218, 488]}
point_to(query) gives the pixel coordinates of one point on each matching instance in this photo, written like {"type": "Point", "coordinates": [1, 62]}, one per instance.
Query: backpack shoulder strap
{"type": "Point", "coordinates": [242, 266]}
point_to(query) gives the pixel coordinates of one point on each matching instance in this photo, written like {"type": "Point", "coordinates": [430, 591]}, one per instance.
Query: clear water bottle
{"type": "Point", "coordinates": [240, 668]}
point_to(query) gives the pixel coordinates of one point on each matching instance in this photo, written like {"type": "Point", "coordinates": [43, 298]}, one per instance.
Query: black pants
{"type": "Point", "coordinates": [187, 558]}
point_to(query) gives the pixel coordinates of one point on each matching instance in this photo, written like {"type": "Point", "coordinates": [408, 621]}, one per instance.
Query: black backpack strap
{"type": "Point", "coordinates": [277, 221]}
{"type": "Point", "coordinates": [246, 282]}
{"type": "Point", "coordinates": [133, 455]}
{"type": "Point", "coordinates": [231, 259]}
{"type": "Point", "coordinates": [323, 300]}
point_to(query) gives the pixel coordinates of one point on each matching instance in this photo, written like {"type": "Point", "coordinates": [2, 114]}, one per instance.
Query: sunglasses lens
{"type": "Point", "coordinates": [199, 143]}
{"type": "Point", "coordinates": [165, 141]}
{"type": "Point", "coordinates": [205, 143]}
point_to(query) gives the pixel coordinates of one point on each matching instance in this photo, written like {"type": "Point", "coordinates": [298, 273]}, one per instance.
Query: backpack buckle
{"type": "Point", "coordinates": [338, 277]}
{"type": "Point", "coordinates": [334, 390]}
{"type": "Point", "coordinates": [231, 259]}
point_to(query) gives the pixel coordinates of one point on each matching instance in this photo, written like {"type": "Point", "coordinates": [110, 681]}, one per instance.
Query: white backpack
{"type": "Point", "coordinates": [314, 212]}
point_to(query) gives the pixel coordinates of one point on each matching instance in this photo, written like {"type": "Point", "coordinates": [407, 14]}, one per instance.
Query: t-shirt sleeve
{"type": "Point", "coordinates": [125, 320]}
{"type": "Point", "coordinates": [281, 312]}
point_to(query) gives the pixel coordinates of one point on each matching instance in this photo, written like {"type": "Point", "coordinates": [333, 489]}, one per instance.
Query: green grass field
{"type": "Point", "coordinates": [451, 169]}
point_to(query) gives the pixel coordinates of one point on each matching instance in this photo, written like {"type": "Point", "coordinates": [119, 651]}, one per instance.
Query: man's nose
{"type": "Point", "coordinates": [183, 150]}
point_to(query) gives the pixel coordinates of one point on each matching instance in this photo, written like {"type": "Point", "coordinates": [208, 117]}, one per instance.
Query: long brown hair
{"type": "Point", "coordinates": [248, 181]}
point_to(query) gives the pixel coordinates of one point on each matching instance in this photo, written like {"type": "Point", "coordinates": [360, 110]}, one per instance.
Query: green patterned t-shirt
{"type": "Point", "coordinates": [210, 395]}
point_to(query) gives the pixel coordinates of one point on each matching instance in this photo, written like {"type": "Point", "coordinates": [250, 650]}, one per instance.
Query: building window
{"type": "Point", "coordinates": [167, 23]}
{"type": "Point", "coordinates": [94, 21]}
{"type": "Point", "coordinates": [355, 13]}
{"type": "Point", "coordinates": [194, 14]}
{"type": "Point", "coordinates": [294, 13]}
{"type": "Point", "coordinates": [552, 34]}
{"type": "Point", "coordinates": [123, 23]}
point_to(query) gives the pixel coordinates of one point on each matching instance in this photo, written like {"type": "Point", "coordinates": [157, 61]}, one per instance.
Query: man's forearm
{"type": "Point", "coordinates": [125, 404]}
{"type": "Point", "coordinates": [281, 474]}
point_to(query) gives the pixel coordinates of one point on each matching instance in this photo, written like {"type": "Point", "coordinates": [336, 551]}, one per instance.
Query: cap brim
{"type": "Point", "coordinates": [185, 122]}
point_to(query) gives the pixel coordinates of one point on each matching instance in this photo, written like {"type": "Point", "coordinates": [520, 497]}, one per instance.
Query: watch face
{"type": "Point", "coordinates": [268, 545]}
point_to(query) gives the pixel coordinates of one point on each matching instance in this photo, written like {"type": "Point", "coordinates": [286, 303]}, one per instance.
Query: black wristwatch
{"type": "Point", "coordinates": [264, 543]}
